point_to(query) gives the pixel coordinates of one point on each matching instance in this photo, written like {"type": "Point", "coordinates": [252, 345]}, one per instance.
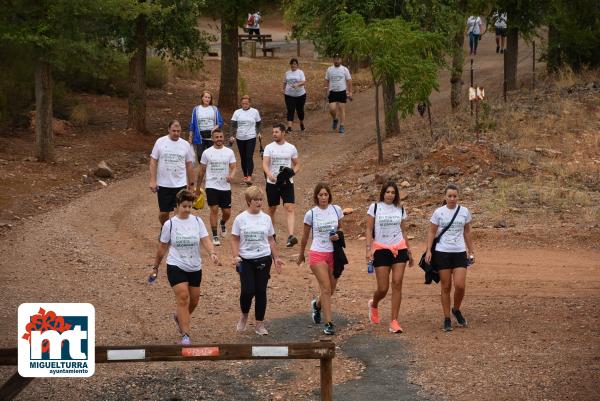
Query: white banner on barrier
{"type": "Point", "coordinates": [269, 351]}
{"type": "Point", "coordinates": [125, 354]}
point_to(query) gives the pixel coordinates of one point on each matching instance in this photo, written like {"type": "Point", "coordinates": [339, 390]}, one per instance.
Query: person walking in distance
{"type": "Point", "coordinates": [205, 118]}
{"type": "Point", "coordinates": [338, 83]}
{"type": "Point", "coordinates": [450, 258]}
{"type": "Point", "coordinates": [245, 127]}
{"type": "Point", "coordinates": [388, 250]}
{"type": "Point", "coordinates": [474, 28]}
{"type": "Point", "coordinates": [500, 25]}
{"type": "Point", "coordinates": [171, 169]}
{"type": "Point", "coordinates": [218, 164]}
{"type": "Point", "coordinates": [181, 237]}
{"type": "Point", "coordinates": [254, 251]}
{"type": "Point", "coordinates": [280, 164]}
{"type": "Point", "coordinates": [294, 93]}
{"type": "Point", "coordinates": [323, 221]}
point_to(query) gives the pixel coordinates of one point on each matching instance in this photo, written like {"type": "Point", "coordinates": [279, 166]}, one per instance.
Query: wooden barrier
{"type": "Point", "coordinates": [322, 350]}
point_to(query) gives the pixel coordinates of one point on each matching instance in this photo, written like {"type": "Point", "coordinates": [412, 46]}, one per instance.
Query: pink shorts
{"type": "Point", "coordinates": [315, 257]}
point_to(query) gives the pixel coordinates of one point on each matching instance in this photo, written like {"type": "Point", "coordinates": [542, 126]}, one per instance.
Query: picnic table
{"type": "Point", "coordinates": [262, 39]}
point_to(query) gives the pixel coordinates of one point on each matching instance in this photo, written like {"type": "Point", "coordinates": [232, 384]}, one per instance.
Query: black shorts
{"type": "Point", "coordinates": [166, 198]}
{"type": "Point", "coordinates": [448, 260]}
{"type": "Point", "coordinates": [337, 97]}
{"type": "Point", "coordinates": [275, 193]}
{"type": "Point", "coordinates": [178, 276]}
{"type": "Point", "coordinates": [501, 32]}
{"type": "Point", "coordinates": [385, 257]}
{"type": "Point", "coordinates": [218, 197]}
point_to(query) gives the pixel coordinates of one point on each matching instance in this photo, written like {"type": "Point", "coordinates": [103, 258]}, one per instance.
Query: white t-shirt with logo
{"type": "Point", "coordinates": [387, 222]}
{"type": "Point", "coordinates": [183, 237]}
{"type": "Point", "coordinates": [280, 155]}
{"type": "Point", "coordinates": [292, 77]}
{"type": "Point", "coordinates": [217, 163]}
{"type": "Point", "coordinates": [453, 239]}
{"type": "Point", "coordinates": [254, 231]}
{"type": "Point", "coordinates": [323, 221]}
{"type": "Point", "coordinates": [246, 123]}
{"type": "Point", "coordinates": [473, 24]}
{"type": "Point", "coordinates": [172, 157]}
{"type": "Point", "coordinates": [206, 117]}
{"type": "Point", "coordinates": [337, 77]}
{"type": "Point", "coordinates": [500, 20]}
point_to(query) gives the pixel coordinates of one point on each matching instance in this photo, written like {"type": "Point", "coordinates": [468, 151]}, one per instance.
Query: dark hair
{"type": "Point", "coordinates": [448, 187]}
{"type": "Point", "coordinates": [280, 126]}
{"type": "Point", "coordinates": [215, 130]}
{"type": "Point", "coordinates": [294, 60]}
{"type": "Point", "coordinates": [384, 188]}
{"type": "Point", "coordinates": [318, 188]}
{"type": "Point", "coordinates": [184, 196]}
{"type": "Point", "coordinates": [173, 122]}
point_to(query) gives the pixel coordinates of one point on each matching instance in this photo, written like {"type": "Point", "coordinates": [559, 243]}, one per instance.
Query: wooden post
{"type": "Point", "coordinates": [472, 83]}
{"type": "Point", "coordinates": [298, 47]}
{"type": "Point", "coordinates": [477, 119]}
{"type": "Point", "coordinates": [533, 68]}
{"type": "Point", "coordinates": [429, 116]}
{"type": "Point", "coordinates": [253, 49]}
{"type": "Point", "coordinates": [14, 386]}
{"type": "Point", "coordinates": [504, 84]}
{"type": "Point", "coordinates": [326, 379]}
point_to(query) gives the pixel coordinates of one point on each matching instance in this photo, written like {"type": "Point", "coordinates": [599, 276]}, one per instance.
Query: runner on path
{"type": "Point", "coordinates": [500, 20]}
{"type": "Point", "coordinates": [280, 164]}
{"type": "Point", "coordinates": [294, 93]}
{"type": "Point", "coordinates": [245, 127]}
{"type": "Point", "coordinates": [205, 118]}
{"type": "Point", "coordinates": [323, 221]}
{"type": "Point", "coordinates": [254, 250]}
{"type": "Point", "coordinates": [171, 169]}
{"type": "Point", "coordinates": [388, 250]}
{"type": "Point", "coordinates": [338, 83]}
{"type": "Point", "coordinates": [218, 163]}
{"type": "Point", "coordinates": [450, 255]}
{"type": "Point", "coordinates": [181, 236]}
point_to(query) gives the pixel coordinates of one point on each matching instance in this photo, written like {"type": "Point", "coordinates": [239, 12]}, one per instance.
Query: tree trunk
{"type": "Point", "coordinates": [44, 136]}
{"type": "Point", "coordinates": [228, 90]}
{"type": "Point", "coordinates": [511, 58]}
{"type": "Point", "coordinates": [392, 124]}
{"type": "Point", "coordinates": [378, 126]}
{"type": "Point", "coordinates": [136, 117]}
{"type": "Point", "coordinates": [458, 61]}
{"type": "Point", "coordinates": [554, 60]}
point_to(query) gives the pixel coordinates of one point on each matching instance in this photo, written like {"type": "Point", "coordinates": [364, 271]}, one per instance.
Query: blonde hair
{"type": "Point", "coordinates": [204, 93]}
{"type": "Point", "coordinates": [253, 192]}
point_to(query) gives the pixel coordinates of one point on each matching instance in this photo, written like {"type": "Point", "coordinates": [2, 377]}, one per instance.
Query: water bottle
{"type": "Point", "coordinates": [370, 268]}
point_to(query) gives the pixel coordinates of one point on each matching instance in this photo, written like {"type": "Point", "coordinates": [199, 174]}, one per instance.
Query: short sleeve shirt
{"type": "Point", "coordinates": [172, 157]}
{"type": "Point", "coordinates": [246, 123]}
{"type": "Point", "coordinates": [183, 237]}
{"type": "Point", "coordinates": [206, 117]}
{"type": "Point", "coordinates": [292, 77]}
{"type": "Point", "coordinates": [217, 163]}
{"type": "Point", "coordinates": [453, 239]}
{"type": "Point", "coordinates": [387, 222]}
{"type": "Point", "coordinates": [280, 156]}
{"type": "Point", "coordinates": [323, 221]}
{"type": "Point", "coordinates": [473, 24]}
{"type": "Point", "coordinates": [254, 231]}
{"type": "Point", "coordinates": [337, 77]}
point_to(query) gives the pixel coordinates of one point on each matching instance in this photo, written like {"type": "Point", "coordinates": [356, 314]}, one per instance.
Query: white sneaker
{"type": "Point", "coordinates": [223, 230]}
{"type": "Point", "coordinates": [260, 329]}
{"type": "Point", "coordinates": [241, 324]}
{"type": "Point", "coordinates": [216, 241]}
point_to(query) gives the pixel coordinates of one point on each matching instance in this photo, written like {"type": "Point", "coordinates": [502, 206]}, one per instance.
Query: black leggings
{"type": "Point", "coordinates": [295, 103]}
{"type": "Point", "coordinates": [246, 149]}
{"type": "Point", "coordinates": [254, 282]}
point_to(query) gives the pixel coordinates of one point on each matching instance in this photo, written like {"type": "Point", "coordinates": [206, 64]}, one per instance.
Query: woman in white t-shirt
{"type": "Point", "coordinates": [323, 222]}
{"type": "Point", "coordinates": [450, 254]}
{"type": "Point", "coordinates": [294, 93]}
{"type": "Point", "coordinates": [474, 30]}
{"type": "Point", "coordinates": [254, 250]}
{"type": "Point", "coordinates": [388, 250]}
{"type": "Point", "coordinates": [245, 127]}
{"type": "Point", "coordinates": [181, 236]}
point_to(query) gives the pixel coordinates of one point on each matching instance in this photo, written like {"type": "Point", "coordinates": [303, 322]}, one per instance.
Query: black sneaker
{"type": "Point", "coordinates": [447, 324]}
{"type": "Point", "coordinates": [288, 130]}
{"type": "Point", "coordinates": [302, 127]}
{"type": "Point", "coordinates": [291, 241]}
{"type": "Point", "coordinates": [329, 329]}
{"type": "Point", "coordinates": [334, 123]}
{"type": "Point", "coordinates": [497, 48]}
{"type": "Point", "coordinates": [223, 229]}
{"type": "Point", "coordinates": [316, 312]}
{"type": "Point", "coordinates": [460, 319]}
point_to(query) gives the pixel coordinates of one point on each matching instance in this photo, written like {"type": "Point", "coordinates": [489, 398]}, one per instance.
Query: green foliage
{"type": "Point", "coordinates": [16, 87]}
{"type": "Point", "coordinates": [157, 73]}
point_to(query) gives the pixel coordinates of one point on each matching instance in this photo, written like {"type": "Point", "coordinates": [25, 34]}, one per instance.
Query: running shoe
{"type": "Point", "coordinates": [302, 127]}
{"type": "Point", "coordinates": [248, 180]}
{"type": "Point", "coordinates": [288, 130]}
{"type": "Point", "coordinates": [291, 241]}
{"type": "Point", "coordinates": [223, 229]}
{"type": "Point", "coordinates": [342, 130]}
{"type": "Point", "coordinates": [260, 329]}
{"type": "Point", "coordinates": [497, 49]}
{"type": "Point", "coordinates": [460, 319]}
{"type": "Point", "coordinates": [373, 313]}
{"type": "Point", "coordinates": [241, 324]}
{"type": "Point", "coordinates": [216, 241]}
{"type": "Point", "coordinates": [316, 312]}
{"type": "Point", "coordinates": [185, 340]}
{"type": "Point", "coordinates": [334, 123]}
{"type": "Point", "coordinates": [395, 327]}
{"type": "Point", "coordinates": [447, 324]}
{"type": "Point", "coordinates": [329, 329]}
{"type": "Point", "coordinates": [177, 324]}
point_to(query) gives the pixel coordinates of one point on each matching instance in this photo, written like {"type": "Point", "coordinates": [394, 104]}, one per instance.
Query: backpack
{"type": "Point", "coordinates": [250, 21]}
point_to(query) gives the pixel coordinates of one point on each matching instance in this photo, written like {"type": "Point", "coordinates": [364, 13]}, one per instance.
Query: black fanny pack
{"type": "Point", "coordinates": [259, 263]}
{"type": "Point", "coordinates": [206, 134]}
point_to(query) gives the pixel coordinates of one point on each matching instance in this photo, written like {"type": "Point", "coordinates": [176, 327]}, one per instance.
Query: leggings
{"type": "Point", "coordinates": [295, 103]}
{"type": "Point", "coordinates": [246, 149]}
{"type": "Point", "coordinates": [254, 285]}
{"type": "Point", "coordinates": [473, 40]}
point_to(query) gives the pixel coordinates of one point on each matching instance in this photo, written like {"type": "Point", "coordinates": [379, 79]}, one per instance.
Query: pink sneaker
{"type": "Point", "coordinates": [395, 327]}
{"type": "Point", "coordinates": [373, 313]}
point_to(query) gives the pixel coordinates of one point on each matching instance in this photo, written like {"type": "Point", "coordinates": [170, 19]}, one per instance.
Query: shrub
{"type": "Point", "coordinates": [157, 72]}
{"type": "Point", "coordinates": [79, 116]}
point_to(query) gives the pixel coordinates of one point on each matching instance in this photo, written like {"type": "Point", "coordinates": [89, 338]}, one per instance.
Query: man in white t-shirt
{"type": "Point", "coordinates": [171, 169]}
{"type": "Point", "coordinates": [281, 160]}
{"type": "Point", "coordinates": [218, 164]}
{"type": "Point", "coordinates": [338, 84]}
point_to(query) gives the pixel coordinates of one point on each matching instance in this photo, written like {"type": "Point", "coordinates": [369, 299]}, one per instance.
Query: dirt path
{"type": "Point", "coordinates": [96, 250]}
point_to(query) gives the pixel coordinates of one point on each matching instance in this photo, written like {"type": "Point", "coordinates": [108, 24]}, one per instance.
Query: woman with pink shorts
{"type": "Point", "coordinates": [323, 221]}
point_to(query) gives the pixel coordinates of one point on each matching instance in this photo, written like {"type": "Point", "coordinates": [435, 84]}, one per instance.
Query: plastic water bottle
{"type": "Point", "coordinates": [370, 268]}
